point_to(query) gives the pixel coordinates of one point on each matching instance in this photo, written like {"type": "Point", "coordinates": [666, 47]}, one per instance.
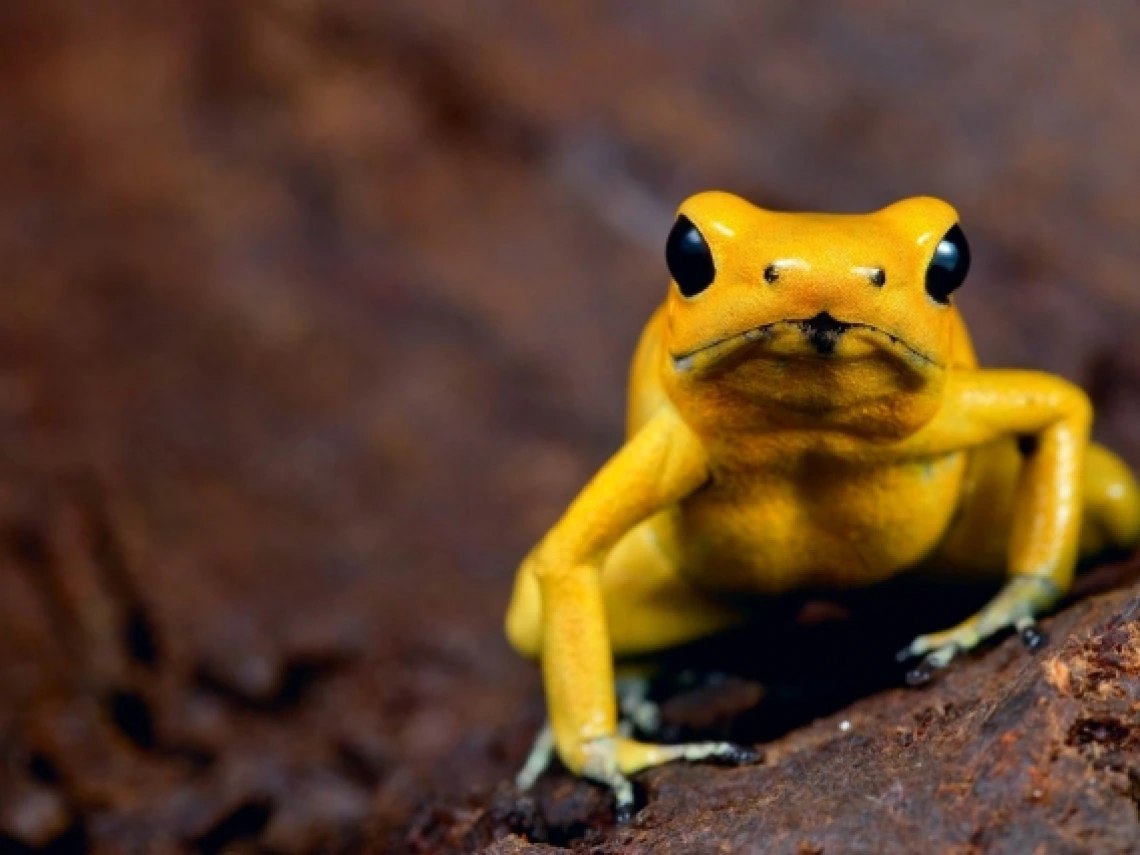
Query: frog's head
{"type": "Point", "coordinates": [814, 311]}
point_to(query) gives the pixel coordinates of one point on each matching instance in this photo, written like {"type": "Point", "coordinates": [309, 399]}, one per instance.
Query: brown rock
{"type": "Point", "coordinates": [1007, 751]}
{"type": "Point", "coordinates": [313, 316]}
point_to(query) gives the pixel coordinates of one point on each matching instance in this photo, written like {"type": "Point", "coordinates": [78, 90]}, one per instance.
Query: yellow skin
{"type": "Point", "coordinates": [759, 460]}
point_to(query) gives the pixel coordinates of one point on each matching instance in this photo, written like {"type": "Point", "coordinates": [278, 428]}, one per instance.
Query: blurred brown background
{"type": "Point", "coordinates": [314, 315]}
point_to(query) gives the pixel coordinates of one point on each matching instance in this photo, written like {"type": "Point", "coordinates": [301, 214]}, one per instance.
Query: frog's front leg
{"type": "Point", "coordinates": [659, 466]}
{"type": "Point", "coordinates": [578, 672]}
{"type": "Point", "coordinates": [1054, 416]}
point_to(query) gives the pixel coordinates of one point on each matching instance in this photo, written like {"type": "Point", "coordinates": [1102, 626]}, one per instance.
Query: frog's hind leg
{"type": "Point", "coordinates": [977, 545]}
{"type": "Point", "coordinates": [1111, 521]}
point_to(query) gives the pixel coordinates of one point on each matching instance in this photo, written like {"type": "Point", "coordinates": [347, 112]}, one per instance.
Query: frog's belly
{"type": "Point", "coordinates": [766, 532]}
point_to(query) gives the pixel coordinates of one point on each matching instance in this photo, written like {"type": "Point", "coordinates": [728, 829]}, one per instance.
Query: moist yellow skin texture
{"type": "Point", "coordinates": [755, 463]}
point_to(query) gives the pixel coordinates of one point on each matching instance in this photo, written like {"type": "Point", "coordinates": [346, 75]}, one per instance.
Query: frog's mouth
{"type": "Point", "coordinates": [820, 337]}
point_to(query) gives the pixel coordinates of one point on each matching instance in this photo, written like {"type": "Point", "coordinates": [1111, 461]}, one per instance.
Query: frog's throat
{"type": "Point", "coordinates": [712, 353]}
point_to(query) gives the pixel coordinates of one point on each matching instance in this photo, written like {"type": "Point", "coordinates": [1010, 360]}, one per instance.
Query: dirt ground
{"type": "Point", "coordinates": [314, 316]}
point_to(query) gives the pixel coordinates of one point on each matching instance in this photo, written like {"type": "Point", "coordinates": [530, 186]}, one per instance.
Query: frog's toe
{"type": "Point", "coordinates": [922, 673]}
{"type": "Point", "coordinates": [539, 760]}
{"type": "Point", "coordinates": [937, 651]}
{"type": "Point", "coordinates": [623, 806]}
{"type": "Point", "coordinates": [910, 651]}
{"type": "Point", "coordinates": [737, 755]}
{"type": "Point", "coordinates": [1032, 636]}
{"type": "Point", "coordinates": [610, 760]}
{"type": "Point", "coordinates": [940, 647]}
{"type": "Point", "coordinates": [725, 753]}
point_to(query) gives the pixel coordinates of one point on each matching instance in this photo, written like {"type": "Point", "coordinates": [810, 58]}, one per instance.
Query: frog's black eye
{"type": "Point", "coordinates": [689, 258]}
{"type": "Point", "coordinates": [949, 266]}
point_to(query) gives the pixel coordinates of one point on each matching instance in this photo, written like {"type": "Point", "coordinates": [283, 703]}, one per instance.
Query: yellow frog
{"type": "Point", "coordinates": [806, 410]}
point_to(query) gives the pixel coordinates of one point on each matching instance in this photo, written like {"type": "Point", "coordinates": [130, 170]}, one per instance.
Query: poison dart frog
{"type": "Point", "coordinates": [806, 410]}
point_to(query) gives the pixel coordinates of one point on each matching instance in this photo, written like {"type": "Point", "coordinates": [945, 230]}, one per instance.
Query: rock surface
{"type": "Point", "coordinates": [1008, 752]}
{"type": "Point", "coordinates": [315, 314]}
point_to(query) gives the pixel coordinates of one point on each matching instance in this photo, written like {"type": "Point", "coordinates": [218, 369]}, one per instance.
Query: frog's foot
{"type": "Point", "coordinates": [1022, 598]}
{"type": "Point", "coordinates": [610, 760]}
{"type": "Point", "coordinates": [638, 714]}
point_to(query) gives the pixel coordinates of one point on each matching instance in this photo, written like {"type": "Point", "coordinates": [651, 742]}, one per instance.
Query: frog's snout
{"type": "Point", "coordinates": [823, 332]}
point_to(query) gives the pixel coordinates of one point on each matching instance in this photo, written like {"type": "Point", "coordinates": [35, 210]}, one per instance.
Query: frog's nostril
{"type": "Point", "coordinates": [771, 273]}
{"type": "Point", "coordinates": [875, 275]}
